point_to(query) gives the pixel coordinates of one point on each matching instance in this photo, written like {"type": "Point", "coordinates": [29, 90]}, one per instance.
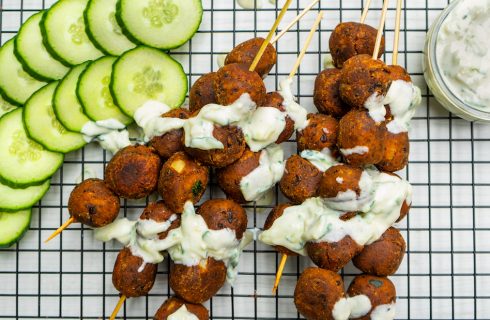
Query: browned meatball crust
{"type": "Point", "coordinates": [199, 283]}
{"type": "Point", "coordinates": [159, 212]}
{"type": "Point", "coordinates": [182, 179]}
{"type": "Point", "coordinates": [133, 172]}
{"type": "Point", "coordinates": [348, 175]}
{"type": "Point", "coordinates": [173, 304]}
{"type": "Point", "coordinates": [127, 278]}
{"type": "Point", "coordinates": [361, 78]}
{"type": "Point", "coordinates": [384, 256]}
{"type": "Point", "coordinates": [316, 293]}
{"type": "Point", "coordinates": [379, 290]}
{"type": "Point", "coordinates": [171, 142]}
{"type": "Point", "coordinates": [358, 129]}
{"type": "Point", "coordinates": [233, 80]}
{"type": "Point", "coordinates": [202, 92]}
{"type": "Point", "coordinates": [273, 216]}
{"type": "Point", "coordinates": [333, 255]}
{"type": "Point", "coordinates": [396, 150]}
{"type": "Point", "coordinates": [245, 53]}
{"type": "Point", "coordinates": [326, 95]}
{"type": "Point", "coordinates": [229, 177]}
{"type": "Point", "coordinates": [350, 39]}
{"type": "Point", "coordinates": [234, 145]}
{"type": "Point", "coordinates": [275, 100]}
{"type": "Point", "coordinates": [93, 203]}
{"type": "Point", "coordinates": [222, 213]}
{"type": "Point", "coordinates": [320, 133]}
{"type": "Point", "coordinates": [300, 180]}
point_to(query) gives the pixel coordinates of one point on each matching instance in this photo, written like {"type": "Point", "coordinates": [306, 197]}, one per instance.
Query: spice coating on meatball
{"type": "Point", "coordinates": [159, 212]}
{"type": "Point", "coordinates": [173, 304]}
{"type": "Point", "coordinates": [320, 134]}
{"type": "Point", "coordinates": [222, 213]}
{"type": "Point", "coordinates": [171, 142]}
{"type": "Point", "coordinates": [133, 172]}
{"type": "Point", "coordinates": [202, 92]}
{"type": "Point", "coordinates": [333, 255]}
{"type": "Point", "coordinates": [350, 39]}
{"type": "Point", "coordinates": [300, 180]}
{"type": "Point", "coordinates": [245, 53]}
{"type": "Point", "coordinates": [93, 203]}
{"type": "Point", "coordinates": [326, 95]}
{"type": "Point", "coordinates": [340, 178]}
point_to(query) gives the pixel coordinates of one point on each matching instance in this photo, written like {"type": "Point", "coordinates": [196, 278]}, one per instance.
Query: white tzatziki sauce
{"type": "Point", "coordinates": [190, 244]}
{"type": "Point", "coordinates": [403, 98]}
{"type": "Point", "coordinates": [351, 307]}
{"type": "Point", "coordinates": [263, 127]}
{"type": "Point", "coordinates": [114, 140]}
{"type": "Point", "coordinates": [384, 312]}
{"type": "Point", "coordinates": [296, 112]}
{"type": "Point", "coordinates": [319, 220]}
{"type": "Point", "coordinates": [182, 314]}
{"type": "Point", "coordinates": [220, 60]}
{"type": "Point", "coordinates": [463, 52]}
{"type": "Point", "coordinates": [321, 160]}
{"type": "Point", "coordinates": [355, 150]}
{"type": "Point", "coordinates": [92, 129]}
{"type": "Point", "coordinates": [270, 170]}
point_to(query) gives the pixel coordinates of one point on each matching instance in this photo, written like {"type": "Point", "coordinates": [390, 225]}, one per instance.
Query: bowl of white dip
{"type": "Point", "coordinates": [457, 59]}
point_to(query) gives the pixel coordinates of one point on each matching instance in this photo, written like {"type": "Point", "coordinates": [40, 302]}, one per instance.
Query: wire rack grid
{"type": "Point", "coordinates": [446, 270]}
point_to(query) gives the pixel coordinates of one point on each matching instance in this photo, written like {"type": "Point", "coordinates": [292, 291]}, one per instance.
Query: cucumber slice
{"type": "Point", "coordinates": [5, 106]}
{"type": "Point", "coordinates": [64, 33]}
{"type": "Point", "coordinates": [66, 105]}
{"type": "Point", "coordinates": [94, 94]}
{"type": "Point", "coordinates": [163, 24]}
{"type": "Point", "coordinates": [43, 127]}
{"type": "Point", "coordinates": [32, 53]}
{"type": "Point", "coordinates": [13, 226]}
{"type": "Point", "coordinates": [19, 199]}
{"type": "Point", "coordinates": [23, 162]}
{"type": "Point", "coordinates": [144, 74]}
{"type": "Point", "coordinates": [103, 28]}
{"type": "Point", "coordinates": [16, 84]}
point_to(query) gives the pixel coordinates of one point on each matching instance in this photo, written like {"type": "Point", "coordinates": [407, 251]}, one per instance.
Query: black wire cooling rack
{"type": "Point", "coordinates": [445, 273]}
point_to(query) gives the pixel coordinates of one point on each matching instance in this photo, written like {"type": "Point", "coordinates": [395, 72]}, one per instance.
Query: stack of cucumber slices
{"type": "Point", "coordinates": [80, 62]}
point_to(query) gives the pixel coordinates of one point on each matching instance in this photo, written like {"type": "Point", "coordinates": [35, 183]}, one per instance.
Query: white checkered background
{"type": "Point", "coordinates": [445, 273]}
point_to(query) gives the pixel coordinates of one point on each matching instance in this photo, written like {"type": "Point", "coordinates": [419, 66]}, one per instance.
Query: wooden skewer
{"type": "Point", "coordinates": [264, 45]}
{"type": "Point", "coordinates": [397, 32]}
{"type": "Point", "coordinates": [118, 307]}
{"type": "Point", "coordinates": [60, 229]}
{"type": "Point", "coordinates": [380, 29]}
{"type": "Point", "coordinates": [365, 11]}
{"type": "Point", "coordinates": [307, 44]}
{"type": "Point", "coordinates": [279, 272]}
{"type": "Point", "coordinates": [292, 23]}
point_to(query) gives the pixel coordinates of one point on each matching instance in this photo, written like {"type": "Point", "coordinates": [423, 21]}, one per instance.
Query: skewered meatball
{"type": "Point", "coordinates": [234, 145]}
{"type": "Point", "coordinates": [360, 139]}
{"type": "Point", "coordinates": [171, 142]}
{"type": "Point", "coordinates": [273, 216]}
{"type": "Point", "coordinates": [222, 213]}
{"type": "Point", "coordinates": [127, 277]}
{"type": "Point", "coordinates": [333, 255]}
{"type": "Point", "coordinates": [93, 203]}
{"type": "Point", "coordinates": [320, 133]}
{"type": "Point", "coordinates": [199, 283]}
{"type": "Point", "coordinates": [300, 180]}
{"type": "Point", "coordinates": [246, 51]}
{"type": "Point", "coordinates": [350, 39]}
{"type": "Point", "coordinates": [159, 212]}
{"type": "Point", "coordinates": [379, 291]}
{"type": "Point", "coordinates": [326, 95]}
{"type": "Point", "coordinates": [202, 92]}
{"type": "Point", "coordinates": [233, 80]}
{"type": "Point", "coordinates": [173, 304]}
{"type": "Point", "coordinates": [396, 149]}
{"type": "Point", "coordinates": [340, 178]}
{"type": "Point", "coordinates": [316, 293]}
{"type": "Point", "coordinates": [229, 177]}
{"type": "Point", "coordinates": [133, 172]}
{"type": "Point", "coordinates": [361, 78]}
{"type": "Point", "coordinates": [182, 179]}
{"type": "Point", "coordinates": [384, 256]}
{"type": "Point", "coordinates": [275, 100]}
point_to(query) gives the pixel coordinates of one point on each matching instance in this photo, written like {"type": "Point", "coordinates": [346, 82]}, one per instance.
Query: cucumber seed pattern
{"type": "Point", "coordinates": [115, 26]}
{"type": "Point", "coordinates": [160, 12]}
{"type": "Point", "coordinates": [25, 76]}
{"type": "Point", "coordinates": [77, 31]}
{"type": "Point", "coordinates": [23, 148]}
{"type": "Point", "coordinates": [106, 93]}
{"type": "Point", "coordinates": [148, 82]}
{"type": "Point", "coordinates": [54, 121]}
